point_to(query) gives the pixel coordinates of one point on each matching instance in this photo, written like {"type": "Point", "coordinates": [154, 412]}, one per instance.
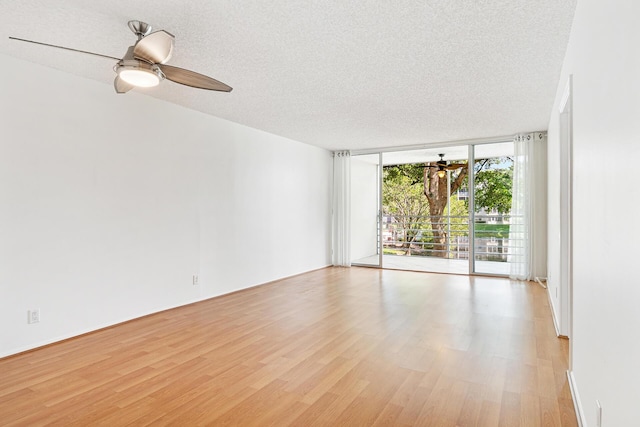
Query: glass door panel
{"type": "Point", "coordinates": [425, 210]}
{"type": "Point", "coordinates": [492, 182]}
{"type": "Point", "coordinates": [365, 208]}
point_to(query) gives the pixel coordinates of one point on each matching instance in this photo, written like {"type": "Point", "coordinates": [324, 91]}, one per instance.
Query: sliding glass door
{"type": "Point", "coordinates": [445, 210]}
{"type": "Point", "coordinates": [492, 183]}
{"type": "Point", "coordinates": [425, 210]}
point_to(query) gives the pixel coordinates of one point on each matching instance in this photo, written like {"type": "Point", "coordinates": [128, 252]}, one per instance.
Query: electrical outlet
{"type": "Point", "coordinates": [598, 414]}
{"type": "Point", "coordinates": [33, 316]}
{"type": "Point", "coordinates": [194, 280]}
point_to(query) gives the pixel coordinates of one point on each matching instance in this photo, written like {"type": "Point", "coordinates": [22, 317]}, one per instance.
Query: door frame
{"type": "Point", "coordinates": [566, 213]}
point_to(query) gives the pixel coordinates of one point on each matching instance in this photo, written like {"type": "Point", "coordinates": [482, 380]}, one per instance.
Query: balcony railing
{"type": "Point", "coordinates": [447, 236]}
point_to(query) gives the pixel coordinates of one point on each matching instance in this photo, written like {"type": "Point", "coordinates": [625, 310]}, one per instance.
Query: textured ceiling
{"type": "Point", "coordinates": [336, 74]}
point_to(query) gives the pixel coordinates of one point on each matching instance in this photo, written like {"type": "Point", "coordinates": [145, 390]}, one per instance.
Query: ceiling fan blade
{"type": "Point", "coordinates": [155, 48]}
{"type": "Point", "coordinates": [65, 48]}
{"type": "Point", "coordinates": [121, 86]}
{"type": "Point", "coordinates": [454, 166]}
{"type": "Point", "coordinates": [193, 79]}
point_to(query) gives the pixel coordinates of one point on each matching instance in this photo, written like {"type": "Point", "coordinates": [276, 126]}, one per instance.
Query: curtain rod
{"type": "Point", "coordinates": [477, 141]}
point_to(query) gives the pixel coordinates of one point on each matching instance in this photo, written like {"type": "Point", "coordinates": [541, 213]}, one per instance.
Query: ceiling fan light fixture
{"type": "Point", "coordinates": [140, 77]}
{"type": "Point", "coordinates": [442, 173]}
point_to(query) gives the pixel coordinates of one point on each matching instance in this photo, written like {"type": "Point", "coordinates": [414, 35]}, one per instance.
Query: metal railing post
{"type": "Point", "coordinates": [472, 209]}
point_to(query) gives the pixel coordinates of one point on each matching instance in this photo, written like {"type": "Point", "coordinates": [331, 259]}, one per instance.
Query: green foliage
{"type": "Point", "coordinates": [493, 186]}
{"type": "Point", "coordinates": [393, 252]}
{"type": "Point", "coordinates": [413, 173]}
{"type": "Point", "coordinates": [402, 194]}
{"type": "Point", "coordinates": [499, 231]}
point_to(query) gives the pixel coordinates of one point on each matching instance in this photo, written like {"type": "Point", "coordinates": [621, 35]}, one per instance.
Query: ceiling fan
{"type": "Point", "coordinates": [443, 167]}
{"type": "Point", "coordinates": [144, 63]}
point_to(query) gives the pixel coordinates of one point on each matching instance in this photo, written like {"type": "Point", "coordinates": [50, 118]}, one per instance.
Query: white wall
{"type": "Point", "coordinates": [604, 59]}
{"type": "Point", "coordinates": [364, 206]}
{"type": "Point", "coordinates": [109, 204]}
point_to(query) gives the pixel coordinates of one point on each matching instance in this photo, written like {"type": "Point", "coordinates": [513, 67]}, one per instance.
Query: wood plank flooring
{"type": "Point", "coordinates": [338, 346]}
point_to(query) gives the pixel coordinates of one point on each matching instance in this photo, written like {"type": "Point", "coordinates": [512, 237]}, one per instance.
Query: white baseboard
{"type": "Point", "coordinates": [576, 399]}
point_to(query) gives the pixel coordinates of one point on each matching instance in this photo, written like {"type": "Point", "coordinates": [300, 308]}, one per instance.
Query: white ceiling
{"type": "Point", "coordinates": [331, 73]}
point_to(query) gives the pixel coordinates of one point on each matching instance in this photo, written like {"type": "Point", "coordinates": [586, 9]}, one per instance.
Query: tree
{"type": "Point", "coordinates": [458, 224]}
{"type": "Point", "coordinates": [402, 198]}
{"type": "Point", "coordinates": [404, 183]}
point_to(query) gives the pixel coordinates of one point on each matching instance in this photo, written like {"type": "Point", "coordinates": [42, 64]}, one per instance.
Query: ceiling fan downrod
{"type": "Point", "coordinates": [139, 28]}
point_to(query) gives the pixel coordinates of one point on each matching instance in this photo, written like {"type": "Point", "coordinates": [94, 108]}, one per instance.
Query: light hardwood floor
{"type": "Point", "coordinates": [352, 347]}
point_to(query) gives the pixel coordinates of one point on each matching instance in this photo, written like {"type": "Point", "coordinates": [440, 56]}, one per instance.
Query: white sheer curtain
{"type": "Point", "coordinates": [341, 218]}
{"type": "Point", "coordinates": [528, 230]}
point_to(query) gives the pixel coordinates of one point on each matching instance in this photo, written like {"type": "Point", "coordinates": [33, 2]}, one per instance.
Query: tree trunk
{"type": "Point", "coordinates": [435, 189]}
